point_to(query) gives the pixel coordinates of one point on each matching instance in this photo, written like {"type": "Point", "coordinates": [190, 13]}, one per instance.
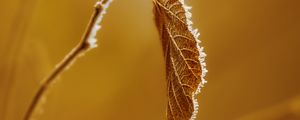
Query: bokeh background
{"type": "Point", "coordinates": [253, 60]}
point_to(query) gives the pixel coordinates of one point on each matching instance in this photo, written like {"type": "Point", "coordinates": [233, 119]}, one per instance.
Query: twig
{"type": "Point", "coordinates": [87, 42]}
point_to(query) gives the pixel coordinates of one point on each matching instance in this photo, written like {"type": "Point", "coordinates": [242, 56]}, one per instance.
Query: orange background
{"type": "Point", "coordinates": [253, 60]}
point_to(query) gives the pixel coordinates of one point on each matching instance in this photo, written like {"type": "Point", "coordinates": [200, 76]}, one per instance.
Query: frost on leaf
{"type": "Point", "coordinates": [185, 66]}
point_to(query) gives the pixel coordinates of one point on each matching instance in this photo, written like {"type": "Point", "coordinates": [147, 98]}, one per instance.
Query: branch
{"type": "Point", "coordinates": [87, 42]}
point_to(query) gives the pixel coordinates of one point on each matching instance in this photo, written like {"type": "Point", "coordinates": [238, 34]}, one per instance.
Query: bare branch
{"type": "Point", "coordinates": [87, 42]}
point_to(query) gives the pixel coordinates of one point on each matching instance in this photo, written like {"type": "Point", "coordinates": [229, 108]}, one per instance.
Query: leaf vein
{"type": "Point", "coordinates": [172, 39]}
{"type": "Point", "coordinates": [172, 13]}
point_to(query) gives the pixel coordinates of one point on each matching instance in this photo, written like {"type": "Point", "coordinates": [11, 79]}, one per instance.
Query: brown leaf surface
{"type": "Point", "coordinates": [184, 62]}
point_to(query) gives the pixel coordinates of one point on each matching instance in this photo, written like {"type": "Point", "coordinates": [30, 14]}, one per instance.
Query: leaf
{"type": "Point", "coordinates": [184, 58]}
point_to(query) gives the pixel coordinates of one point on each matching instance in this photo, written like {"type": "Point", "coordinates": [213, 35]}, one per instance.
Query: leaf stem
{"type": "Point", "coordinates": [83, 46]}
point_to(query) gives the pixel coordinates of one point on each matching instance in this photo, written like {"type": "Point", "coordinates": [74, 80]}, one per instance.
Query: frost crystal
{"type": "Point", "coordinates": [202, 56]}
{"type": "Point", "coordinates": [92, 40]}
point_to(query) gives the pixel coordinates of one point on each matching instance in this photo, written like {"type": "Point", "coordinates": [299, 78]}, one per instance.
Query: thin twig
{"type": "Point", "coordinates": [84, 45]}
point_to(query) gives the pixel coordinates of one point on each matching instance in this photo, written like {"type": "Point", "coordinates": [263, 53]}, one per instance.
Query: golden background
{"type": "Point", "coordinates": [253, 60]}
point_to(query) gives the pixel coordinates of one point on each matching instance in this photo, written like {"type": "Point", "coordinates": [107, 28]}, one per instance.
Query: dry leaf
{"type": "Point", "coordinates": [185, 65]}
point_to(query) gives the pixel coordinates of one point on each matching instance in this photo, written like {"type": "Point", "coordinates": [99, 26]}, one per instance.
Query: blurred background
{"type": "Point", "coordinates": [253, 60]}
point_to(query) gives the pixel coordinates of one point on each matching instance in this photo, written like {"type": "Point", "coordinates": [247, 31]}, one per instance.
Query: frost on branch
{"type": "Point", "coordinates": [101, 6]}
